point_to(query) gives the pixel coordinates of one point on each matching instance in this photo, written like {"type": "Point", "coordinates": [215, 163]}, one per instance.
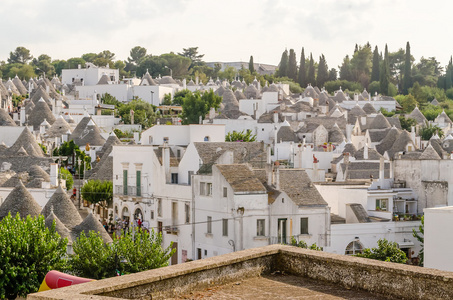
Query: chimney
{"type": "Point", "coordinates": [381, 172]}
{"type": "Point", "coordinates": [22, 115]}
{"type": "Point", "coordinates": [315, 168]}
{"type": "Point", "coordinates": [277, 178]}
{"type": "Point", "coordinates": [413, 134]}
{"type": "Point", "coordinates": [79, 66]}
{"type": "Point", "coordinates": [30, 88]}
{"type": "Point", "coordinates": [47, 89]}
{"type": "Point", "coordinates": [356, 97]}
{"type": "Point", "coordinates": [346, 157]}
{"type": "Point", "coordinates": [391, 169]}
{"type": "Point", "coordinates": [275, 117]}
{"type": "Point", "coordinates": [166, 162]}
{"type": "Point", "coordinates": [365, 151]}
{"type": "Point", "coordinates": [184, 84]}
{"type": "Point", "coordinates": [137, 137]}
{"type": "Point", "coordinates": [54, 174]}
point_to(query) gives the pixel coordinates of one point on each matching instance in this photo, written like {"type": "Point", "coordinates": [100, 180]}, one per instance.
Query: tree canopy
{"type": "Point", "coordinates": [28, 251]}
{"type": "Point", "coordinates": [385, 251]}
{"type": "Point", "coordinates": [198, 104]}
{"type": "Point", "coordinates": [98, 192]}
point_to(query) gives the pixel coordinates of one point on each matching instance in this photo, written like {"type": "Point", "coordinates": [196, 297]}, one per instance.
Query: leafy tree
{"type": "Point", "coordinates": [89, 57]}
{"type": "Point", "coordinates": [67, 176]}
{"type": "Point", "coordinates": [144, 113]}
{"type": "Point", "coordinates": [243, 136]}
{"type": "Point", "coordinates": [376, 65]}
{"type": "Point", "coordinates": [385, 73]}
{"type": "Point", "coordinates": [179, 96]}
{"type": "Point", "coordinates": [136, 55]}
{"type": "Point", "coordinates": [283, 66]}
{"type": "Point", "coordinates": [323, 72]}
{"type": "Point", "coordinates": [59, 65]}
{"type": "Point", "coordinates": [292, 65]}
{"type": "Point", "coordinates": [44, 65]}
{"type": "Point", "coordinates": [302, 244]}
{"type": "Point", "coordinates": [251, 65]}
{"type": "Point", "coordinates": [420, 236]}
{"type": "Point", "coordinates": [28, 251]}
{"type": "Point", "coordinates": [98, 192]}
{"type": "Point", "coordinates": [407, 123]}
{"type": "Point", "coordinates": [332, 86]}
{"type": "Point", "coordinates": [311, 71]}
{"type": "Point", "coordinates": [167, 99]}
{"type": "Point", "coordinates": [427, 71]}
{"type": "Point", "coordinates": [178, 64]}
{"type": "Point", "coordinates": [408, 102]}
{"type": "Point", "coordinates": [196, 105]}
{"type": "Point", "coordinates": [407, 70]}
{"type": "Point", "coordinates": [428, 131]}
{"type": "Point", "coordinates": [192, 54]}
{"type": "Point", "coordinates": [73, 63]}
{"type": "Point", "coordinates": [301, 79]}
{"type": "Point", "coordinates": [22, 71]}
{"type": "Point", "coordinates": [21, 55]}
{"type": "Point", "coordinates": [69, 149]}
{"type": "Point", "coordinates": [385, 251]}
{"type": "Point", "coordinates": [374, 87]}
{"type": "Point", "coordinates": [135, 251]}
{"type": "Point", "coordinates": [386, 112]}
{"type": "Point", "coordinates": [345, 70]}
{"type": "Point", "coordinates": [361, 65]}
{"type": "Point", "coordinates": [332, 75]}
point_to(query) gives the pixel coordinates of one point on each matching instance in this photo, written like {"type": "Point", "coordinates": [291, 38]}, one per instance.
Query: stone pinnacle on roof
{"type": "Point", "coordinates": [20, 201]}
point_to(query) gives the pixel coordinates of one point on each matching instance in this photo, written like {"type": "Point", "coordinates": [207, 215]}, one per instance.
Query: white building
{"type": "Point", "coordinates": [90, 75]}
{"type": "Point", "coordinates": [438, 239]}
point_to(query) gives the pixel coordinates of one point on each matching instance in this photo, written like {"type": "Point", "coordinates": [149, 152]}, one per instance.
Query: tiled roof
{"type": "Point", "coordinates": [241, 178]}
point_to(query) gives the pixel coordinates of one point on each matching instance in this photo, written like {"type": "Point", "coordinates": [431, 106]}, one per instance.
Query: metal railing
{"type": "Point", "coordinates": [131, 190]}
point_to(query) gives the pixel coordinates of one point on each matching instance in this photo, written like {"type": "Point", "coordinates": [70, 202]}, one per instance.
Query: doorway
{"type": "Point", "coordinates": [282, 231]}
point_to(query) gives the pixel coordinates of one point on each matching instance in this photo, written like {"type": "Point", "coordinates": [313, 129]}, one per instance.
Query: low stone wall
{"type": "Point", "coordinates": [396, 281]}
{"type": "Point", "coordinates": [387, 279]}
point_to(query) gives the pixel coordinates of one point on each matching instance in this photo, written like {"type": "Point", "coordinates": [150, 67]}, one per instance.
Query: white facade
{"type": "Point", "coordinates": [438, 238]}
{"type": "Point", "coordinates": [182, 135]}
{"type": "Point", "coordinates": [89, 75]}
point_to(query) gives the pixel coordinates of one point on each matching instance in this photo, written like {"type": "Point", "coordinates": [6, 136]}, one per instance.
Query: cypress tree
{"type": "Point", "coordinates": [302, 76]}
{"type": "Point", "coordinates": [385, 73]}
{"type": "Point", "coordinates": [448, 75]}
{"type": "Point", "coordinates": [292, 65]}
{"type": "Point", "coordinates": [251, 65]}
{"type": "Point", "coordinates": [356, 48]}
{"type": "Point", "coordinates": [311, 71]}
{"type": "Point", "coordinates": [375, 68]}
{"type": "Point", "coordinates": [283, 67]}
{"type": "Point", "coordinates": [407, 70]}
{"type": "Point", "coordinates": [323, 72]}
{"type": "Point", "coordinates": [345, 69]}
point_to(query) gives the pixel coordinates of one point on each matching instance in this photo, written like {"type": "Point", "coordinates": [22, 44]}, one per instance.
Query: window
{"type": "Point", "coordinates": [150, 139]}
{"type": "Point", "coordinates": [189, 180]}
{"type": "Point", "coordinates": [152, 215]}
{"type": "Point", "coordinates": [381, 204]}
{"type": "Point", "coordinates": [174, 177]}
{"type": "Point", "coordinates": [166, 139]}
{"type": "Point", "coordinates": [187, 213]}
{"type": "Point", "coordinates": [209, 225]}
{"type": "Point", "coordinates": [124, 182]}
{"type": "Point", "coordinates": [260, 227]}
{"type": "Point", "coordinates": [159, 207]}
{"type": "Point", "coordinates": [178, 153]}
{"type": "Point", "coordinates": [303, 225]}
{"type": "Point", "coordinates": [139, 183]}
{"type": "Point", "coordinates": [225, 192]}
{"type": "Point", "coordinates": [202, 188]}
{"type": "Point", "coordinates": [208, 189]}
{"type": "Point", "coordinates": [224, 227]}
{"type": "Point", "coordinates": [206, 138]}
{"type": "Point", "coordinates": [354, 247]}
{"type": "Point", "coordinates": [174, 213]}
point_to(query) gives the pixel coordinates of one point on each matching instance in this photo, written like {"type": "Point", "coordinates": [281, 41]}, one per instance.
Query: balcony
{"type": "Point", "coordinates": [171, 229]}
{"type": "Point", "coordinates": [132, 190]}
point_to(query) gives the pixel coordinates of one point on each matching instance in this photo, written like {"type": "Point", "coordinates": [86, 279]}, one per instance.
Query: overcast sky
{"type": "Point", "coordinates": [226, 30]}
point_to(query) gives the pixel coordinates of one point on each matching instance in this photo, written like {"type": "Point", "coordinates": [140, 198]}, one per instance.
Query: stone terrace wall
{"type": "Point", "coordinates": [387, 279]}
{"type": "Point", "coordinates": [396, 281]}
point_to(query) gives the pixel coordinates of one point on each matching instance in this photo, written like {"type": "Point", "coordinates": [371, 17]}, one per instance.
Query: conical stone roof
{"type": "Point", "coordinates": [63, 208]}
{"type": "Point", "coordinates": [91, 224]}
{"type": "Point", "coordinates": [229, 100]}
{"type": "Point", "coordinates": [20, 86]}
{"type": "Point", "coordinates": [418, 116]}
{"type": "Point", "coordinates": [104, 79]}
{"type": "Point", "coordinates": [369, 108]}
{"type": "Point", "coordinates": [28, 142]}
{"type": "Point", "coordinates": [90, 135]}
{"type": "Point", "coordinates": [39, 93]}
{"type": "Point", "coordinates": [429, 154]}
{"type": "Point", "coordinates": [239, 95]}
{"type": "Point", "coordinates": [380, 122]}
{"type": "Point", "coordinates": [40, 112]}
{"type": "Point", "coordinates": [5, 119]}
{"type": "Point", "coordinates": [20, 201]}
{"type": "Point", "coordinates": [36, 171]}
{"type": "Point", "coordinates": [59, 226]}
{"type": "Point", "coordinates": [58, 128]}
{"type": "Point", "coordinates": [220, 91]}
{"type": "Point", "coordinates": [10, 86]}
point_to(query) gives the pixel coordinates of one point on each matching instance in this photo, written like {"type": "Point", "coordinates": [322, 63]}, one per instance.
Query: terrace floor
{"type": "Point", "coordinates": [279, 286]}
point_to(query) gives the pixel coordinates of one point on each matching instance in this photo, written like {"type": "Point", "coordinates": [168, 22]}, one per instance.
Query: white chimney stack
{"type": "Point", "coordinates": [365, 152]}
{"type": "Point", "coordinates": [54, 174]}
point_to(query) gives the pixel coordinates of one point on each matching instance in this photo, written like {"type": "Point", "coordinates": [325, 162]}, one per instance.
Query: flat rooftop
{"type": "Point", "coordinates": [279, 286]}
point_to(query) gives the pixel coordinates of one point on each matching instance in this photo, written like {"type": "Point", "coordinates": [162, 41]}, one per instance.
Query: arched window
{"type": "Point", "coordinates": [138, 214]}
{"type": "Point", "coordinates": [125, 212]}
{"type": "Point", "coordinates": [354, 247]}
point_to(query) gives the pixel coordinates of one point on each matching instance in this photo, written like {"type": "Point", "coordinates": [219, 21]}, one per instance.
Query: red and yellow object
{"type": "Point", "coordinates": [55, 280]}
